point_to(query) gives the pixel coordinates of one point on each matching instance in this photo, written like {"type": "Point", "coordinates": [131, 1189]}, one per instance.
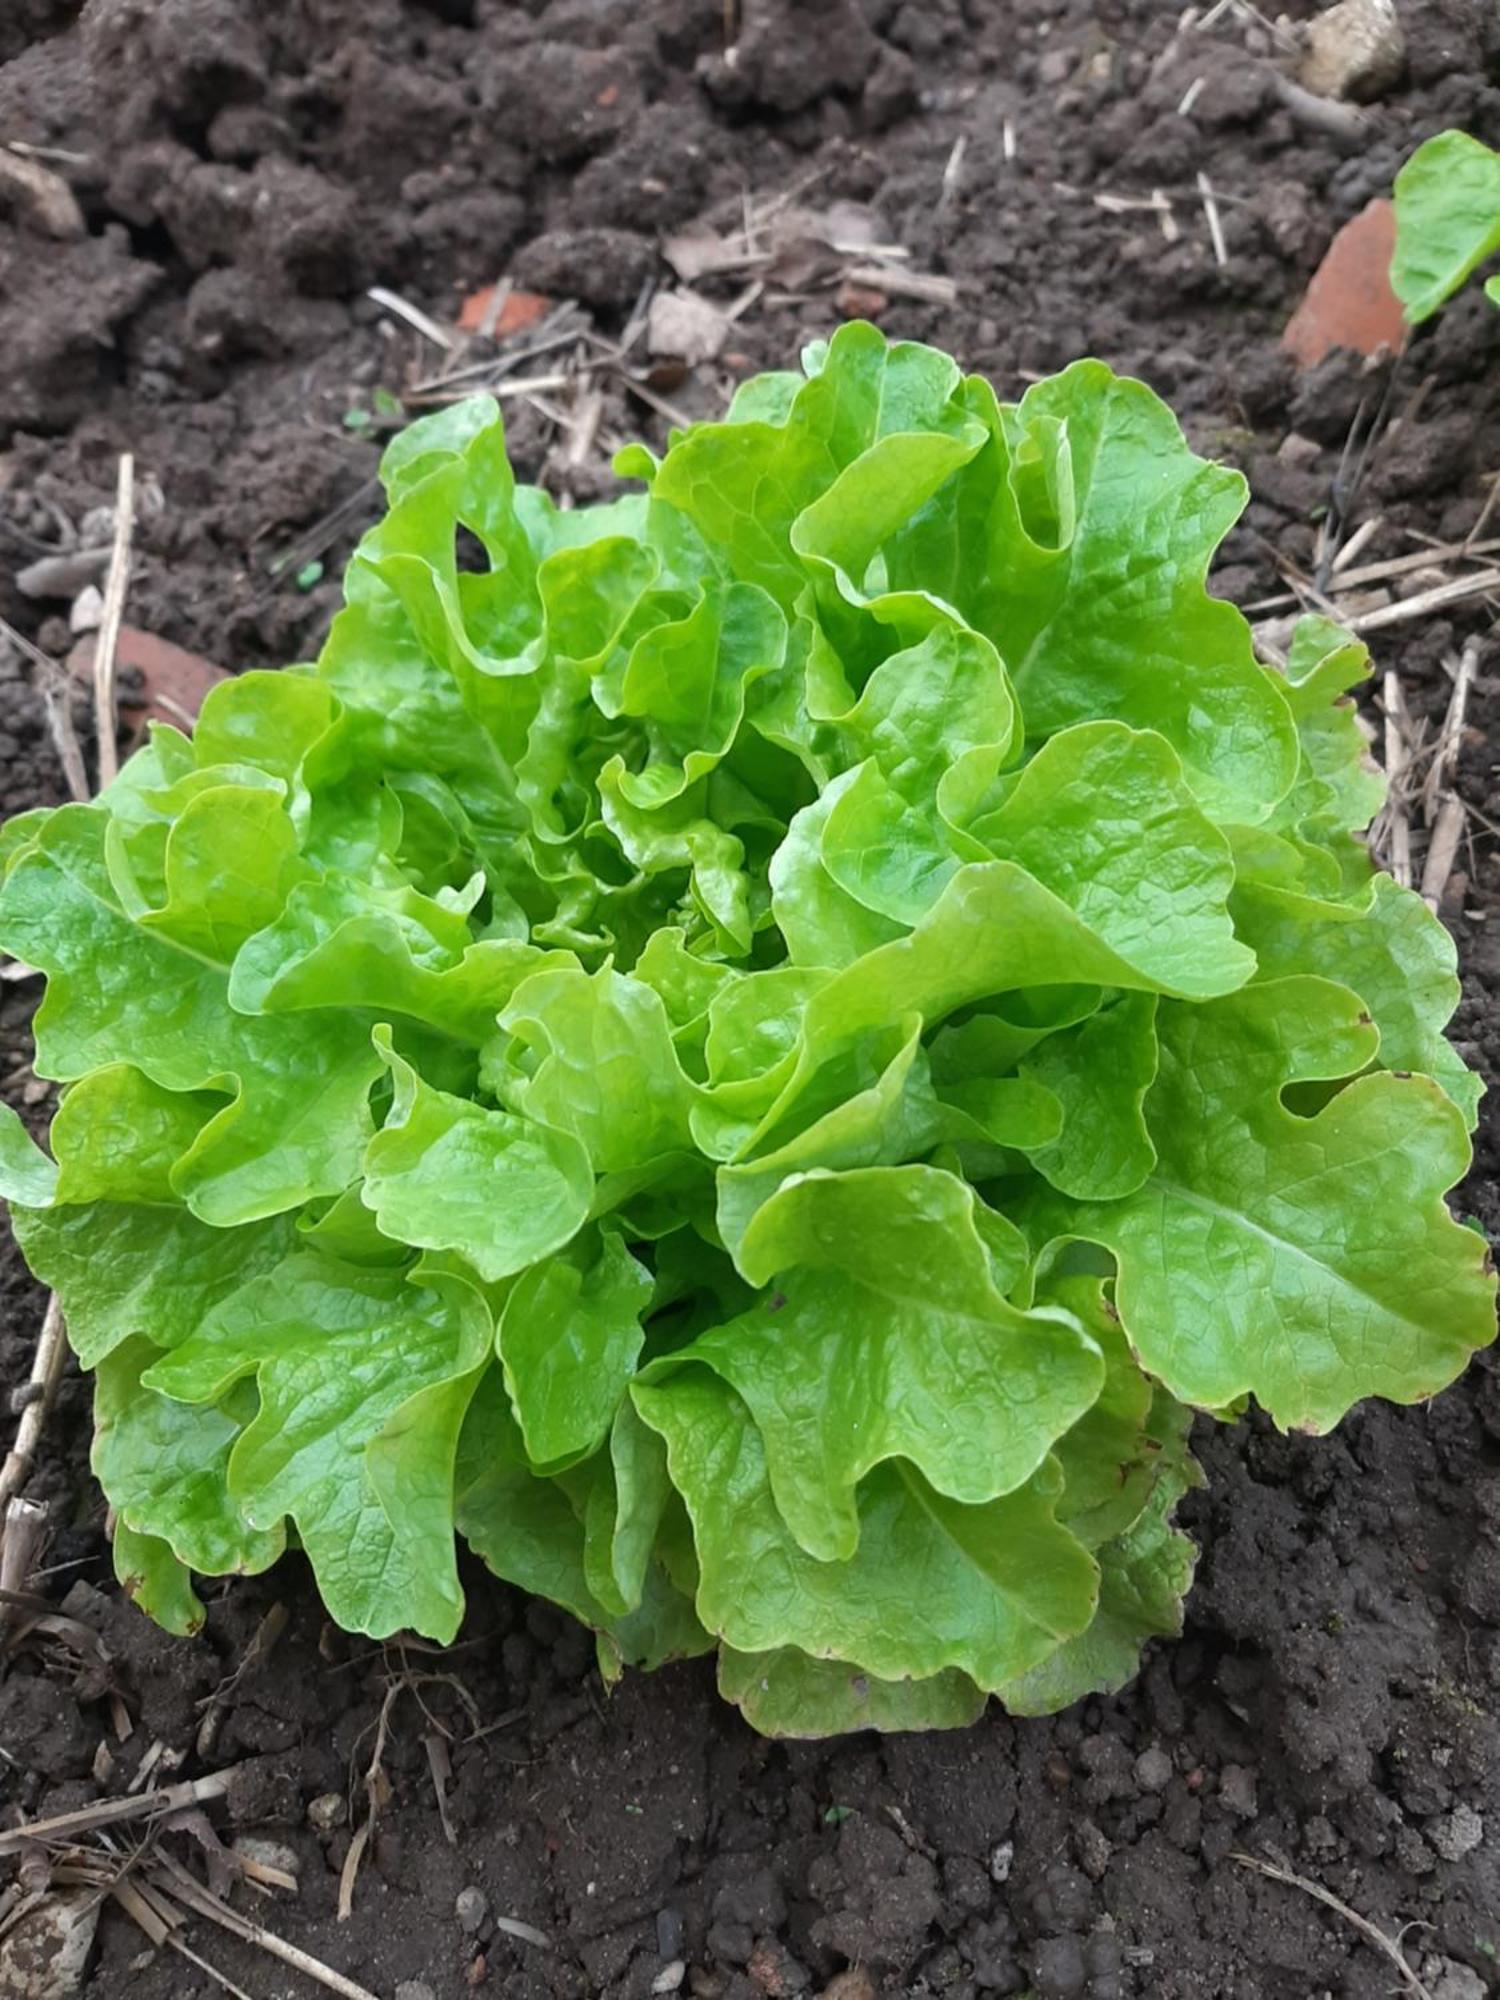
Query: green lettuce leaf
{"type": "Point", "coordinates": [150, 1575]}
{"type": "Point", "coordinates": [1079, 540]}
{"type": "Point", "coordinates": [1001, 1583]}
{"type": "Point", "coordinates": [364, 1377]}
{"type": "Point", "coordinates": [883, 1317]}
{"type": "Point", "coordinates": [447, 1174]}
{"type": "Point", "coordinates": [529, 1531]}
{"type": "Point", "coordinates": [787, 1694]}
{"type": "Point", "coordinates": [1144, 1575]}
{"type": "Point", "coordinates": [165, 1467]}
{"type": "Point", "coordinates": [1259, 1256]}
{"type": "Point", "coordinates": [117, 992]}
{"type": "Point", "coordinates": [569, 1336]}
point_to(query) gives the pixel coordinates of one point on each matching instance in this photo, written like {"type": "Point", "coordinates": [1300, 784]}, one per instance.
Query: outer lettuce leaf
{"type": "Point", "coordinates": [1394, 952]}
{"type": "Point", "coordinates": [1144, 1576]}
{"type": "Point", "coordinates": [569, 1336]}
{"type": "Point", "coordinates": [1262, 1254]}
{"type": "Point", "coordinates": [26, 1174]}
{"type": "Point", "coordinates": [529, 1531]}
{"type": "Point", "coordinates": [1114, 1455]}
{"type": "Point", "coordinates": [626, 1493]}
{"type": "Point", "coordinates": [1099, 1074]}
{"type": "Point", "coordinates": [787, 1694]}
{"type": "Point", "coordinates": [1339, 789]}
{"type": "Point", "coordinates": [364, 1378]}
{"type": "Point", "coordinates": [346, 943]}
{"type": "Point", "coordinates": [149, 1573]}
{"type": "Point", "coordinates": [165, 1466]}
{"type": "Point", "coordinates": [102, 1227]}
{"type": "Point", "coordinates": [890, 414]}
{"type": "Point", "coordinates": [446, 1174]}
{"type": "Point", "coordinates": [1000, 1584]}
{"type": "Point", "coordinates": [117, 992]}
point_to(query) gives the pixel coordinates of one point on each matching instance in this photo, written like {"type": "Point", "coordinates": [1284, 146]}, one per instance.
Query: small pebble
{"type": "Point", "coordinates": [1058, 1971]}
{"type": "Point", "coordinates": [414, 1989]}
{"type": "Point", "coordinates": [1457, 1833]}
{"type": "Point", "coordinates": [1000, 1860]}
{"type": "Point", "coordinates": [1093, 1849]}
{"type": "Point", "coordinates": [855, 1984]}
{"type": "Point", "coordinates": [87, 613]}
{"type": "Point", "coordinates": [269, 1853]}
{"type": "Point", "coordinates": [471, 1909]}
{"type": "Point", "coordinates": [668, 1933]}
{"type": "Point", "coordinates": [1237, 1790]}
{"type": "Point", "coordinates": [1455, 1982]}
{"type": "Point", "coordinates": [1300, 451]}
{"type": "Point", "coordinates": [670, 1977]}
{"type": "Point", "coordinates": [1153, 1769]}
{"type": "Point", "coordinates": [326, 1811]}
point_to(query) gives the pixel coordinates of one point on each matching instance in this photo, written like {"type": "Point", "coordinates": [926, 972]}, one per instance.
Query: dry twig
{"type": "Point", "coordinates": [1444, 764]}
{"type": "Point", "coordinates": [46, 1372]}
{"type": "Point", "coordinates": [1485, 511]}
{"type": "Point", "coordinates": [219, 1978]}
{"type": "Point", "coordinates": [52, 686]}
{"type": "Point", "coordinates": [23, 1527]}
{"type": "Point", "coordinates": [1215, 225]}
{"type": "Point", "coordinates": [927, 286]}
{"type": "Point", "coordinates": [1442, 851]}
{"type": "Point", "coordinates": [203, 1903]}
{"type": "Point", "coordinates": [109, 1812]}
{"type": "Point", "coordinates": [1431, 557]}
{"type": "Point", "coordinates": [528, 1933]}
{"type": "Point", "coordinates": [46, 196]}
{"type": "Point", "coordinates": [441, 1767]}
{"type": "Point", "coordinates": [1342, 123]}
{"type": "Point", "coordinates": [1442, 806]}
{"type": "Point", "coordinates": [953, 174]}
{"type": "Point", "coordinates": [1364, 534]}
{"type": "Point", "coordinates": [1391, 1947]}
{"type": "Point", "coordinates": [440, 336]}
{"type": "Point", "coordinates": [106, 645]}
{"type": "Point", "coordinates": [71, 1632]}
{"type": "Point", "coordinates": [1392, 830]}
{"type": "Point", "coordinates": [377, 1792]}
{"type": "Point", "coordinates": [1407, 608]}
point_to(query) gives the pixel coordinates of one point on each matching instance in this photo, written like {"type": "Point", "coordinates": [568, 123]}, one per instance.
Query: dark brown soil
{"type": "Point", "coordinates": [244, 174]}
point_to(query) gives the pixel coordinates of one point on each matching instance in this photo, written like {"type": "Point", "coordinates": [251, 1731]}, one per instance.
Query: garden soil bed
{"type": "Point", "coordinates": [243, 175]}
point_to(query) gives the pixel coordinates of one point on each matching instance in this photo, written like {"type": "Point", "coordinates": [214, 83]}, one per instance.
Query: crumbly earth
{"type": "Point", "coordinates": [244, 174]}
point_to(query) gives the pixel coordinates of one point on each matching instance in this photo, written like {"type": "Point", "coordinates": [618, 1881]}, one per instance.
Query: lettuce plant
{"type": "Point", "coordinates": [755, 1056]}
{"type": "Point", "coordinates": [1447, 221]}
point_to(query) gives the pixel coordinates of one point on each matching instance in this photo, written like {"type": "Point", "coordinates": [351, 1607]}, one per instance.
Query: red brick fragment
{"type": "Point", "coordinates": [1349, 302]}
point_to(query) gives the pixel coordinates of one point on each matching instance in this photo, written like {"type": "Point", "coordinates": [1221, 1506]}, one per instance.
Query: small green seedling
{"type": "Point", "coordinates": [1447, 221]}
